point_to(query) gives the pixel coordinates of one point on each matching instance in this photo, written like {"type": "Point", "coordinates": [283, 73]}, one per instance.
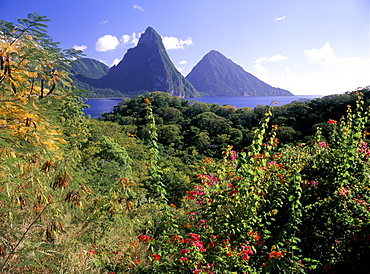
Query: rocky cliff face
{"type": "Point", "coordinates": [147, 67]}
{"type": "Point", "coordinates": [215, 75]}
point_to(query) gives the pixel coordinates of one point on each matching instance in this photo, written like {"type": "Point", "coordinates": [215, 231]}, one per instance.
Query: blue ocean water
{"type": "Point", "coordinates": [99, 106]}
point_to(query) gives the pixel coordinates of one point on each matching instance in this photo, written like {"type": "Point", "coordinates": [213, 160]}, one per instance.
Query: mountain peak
{"type": "Point", "coordinates": [216, 75]}
{"type": "Point", "coordinates": [147, 67]}
{"type": "Point", "coordinates": [150, 38]}
{"type": "Point", "coordinates": [213, 52]}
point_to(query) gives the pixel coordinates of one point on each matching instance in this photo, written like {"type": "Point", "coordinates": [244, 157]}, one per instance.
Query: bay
{"type": "Point", "coordinates": [102, 105]}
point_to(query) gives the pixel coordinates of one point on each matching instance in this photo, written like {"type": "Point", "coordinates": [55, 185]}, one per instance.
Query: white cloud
{"type": "Point", "coordinates": [125, 39]}
{"type": "Point", "coordinates": [323, 55]}
{"type": "Point", "coordinates": [115, 62]}
{"type": "Point", "coordinates": [275, 58]}
{"type": "Point", "coordinates": [82, 47]}
{"type": "Point", "coordinates": [326, 56]}
{"type": "Point", "coordinates": [135, 38]}
{"type": "Point", "coordinates": [137, 7]}
{"type": "Point", "coordinates": [183, 62]}
{"type": "Point", "coordinates": [261, 71]}
{"type": "Point", "coordinates": [103, 22]}
{"type": "Point", "coordinates": [107, 42]}
{"type": "Point", "coordinates": [279, 18]}
{"type": "Point", "coordinates": [131, 39]}
{"type": "Point", "coordinates": [289, 75]}
{"type": "Point", "coordinates": [176, 43]}
{"type": "Point", "coordinates": [335, 73]}
{"type": "Point", "coordinates": [327, 74]}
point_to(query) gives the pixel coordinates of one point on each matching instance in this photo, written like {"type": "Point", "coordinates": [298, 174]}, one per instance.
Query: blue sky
{"type": "Point", "coordinates": [314, 47]}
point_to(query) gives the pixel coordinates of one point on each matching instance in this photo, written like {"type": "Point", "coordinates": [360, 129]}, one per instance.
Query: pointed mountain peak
{"type": "Point", "coordinates": [215, 57]}
{"type": "Point", "coordinates": [214, 53]}
{"type": "Point", "coordinates": [150, 38]}
{"type": "Point", "coordinates": [147, 67]}
{"type": "Point", "coordinates": [216, 75]}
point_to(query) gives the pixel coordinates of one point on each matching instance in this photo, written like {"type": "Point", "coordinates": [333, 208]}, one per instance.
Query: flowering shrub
{"type": "Point", "coordinates": [274, 210]}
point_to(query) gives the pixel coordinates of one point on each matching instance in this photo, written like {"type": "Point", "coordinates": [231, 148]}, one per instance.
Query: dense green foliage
{"type": "Point", "coordinates": [206, 130]}
{"type": "Point", "coordinates": [293, 209]}
{"type": "Point", "coordinates": [138, 191]}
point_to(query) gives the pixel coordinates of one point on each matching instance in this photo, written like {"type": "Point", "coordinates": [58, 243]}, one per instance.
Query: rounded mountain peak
{"type": "Point", "coordinates": [150, 38]}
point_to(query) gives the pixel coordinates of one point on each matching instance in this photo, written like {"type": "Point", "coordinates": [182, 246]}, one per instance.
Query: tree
{"type": "Point", "coordinates": [32, 68]}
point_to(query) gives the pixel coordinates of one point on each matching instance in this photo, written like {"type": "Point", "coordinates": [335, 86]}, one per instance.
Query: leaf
{"type": "Point", "coordinates": [3, 197]}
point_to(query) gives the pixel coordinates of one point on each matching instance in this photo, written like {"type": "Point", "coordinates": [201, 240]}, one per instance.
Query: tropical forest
{"type": "Point", "coordinates": [162, 184]}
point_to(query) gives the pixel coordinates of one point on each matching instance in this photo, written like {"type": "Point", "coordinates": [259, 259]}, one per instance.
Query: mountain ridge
{"type": "Point", "coordinates": [216, 75]}
{"type": "Point", "coordinates": [147, 67]}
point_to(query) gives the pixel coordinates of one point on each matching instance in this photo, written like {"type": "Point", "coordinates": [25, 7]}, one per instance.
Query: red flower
{"type": "Point", "coordinates": [184, 251]}
{"type": "Point", "coordinates": [184, 259]}
{"type": "Point", "coordinates": [137, 262]}
{"type": "Point", "coordinates": [144, 239]}
{"type": "Point", "coordinates": [331, 121]}
{"type": "Point", "coordinates": [92, 251]}
{"type": "Point", "coordinates": [276, 254]}
{"type": "Point", "coordinates": [156, 257]}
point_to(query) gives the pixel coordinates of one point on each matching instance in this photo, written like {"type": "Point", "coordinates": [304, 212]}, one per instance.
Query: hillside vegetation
{"type": "Point", "coordinates": [165, 185]}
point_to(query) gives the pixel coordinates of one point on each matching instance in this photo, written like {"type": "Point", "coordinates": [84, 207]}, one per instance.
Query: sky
{"type": "Point", "coordinates": [315, 47]}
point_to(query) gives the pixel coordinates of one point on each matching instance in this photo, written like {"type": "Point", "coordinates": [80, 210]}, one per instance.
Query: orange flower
{"type": "Point", "coordinates": [275, 254]}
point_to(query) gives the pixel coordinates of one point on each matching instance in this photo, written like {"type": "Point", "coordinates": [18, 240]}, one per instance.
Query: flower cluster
{"type": "Point", "coordinates": [363, 203]}
{"type": "Point", "coordinates": [323, 144]}
{"type": "Point", "coordinates": [208, 179]}
{"type": "Point", "coordinates": [195, 241]}
{"type": "Point", "coordinates": [245, 251]}
{"type": "Point", "coordinates": [144, 239]}
{"type": "Point", "coordinates": [275, 255]}
{"type": "Point", "coordinates": [307, 183]}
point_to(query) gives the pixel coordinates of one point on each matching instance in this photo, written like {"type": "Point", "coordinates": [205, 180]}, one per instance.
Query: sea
{"type": "Point", "coordinates": [101, 105]}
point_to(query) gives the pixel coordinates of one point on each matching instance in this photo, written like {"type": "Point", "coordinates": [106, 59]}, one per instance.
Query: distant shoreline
{"type": "Point", "coordinates": [191, 98]}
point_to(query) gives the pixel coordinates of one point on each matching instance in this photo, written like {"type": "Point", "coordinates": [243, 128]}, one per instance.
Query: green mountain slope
{"type": "Point", "coordinates": [89, 68]}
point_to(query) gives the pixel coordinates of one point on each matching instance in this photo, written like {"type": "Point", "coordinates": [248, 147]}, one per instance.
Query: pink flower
{"type": "Point", "coordinates": [233, 155]}
{"type": "Point", "coordinates": [323, 144]}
